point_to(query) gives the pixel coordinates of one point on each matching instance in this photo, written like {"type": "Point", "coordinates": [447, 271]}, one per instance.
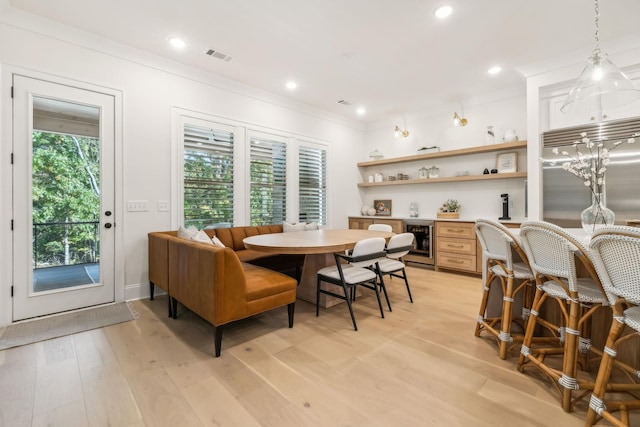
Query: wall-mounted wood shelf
{"type": "Point", "coordinates": [445, 179]}
{"type": "Point", "coordinates": [449, 153]}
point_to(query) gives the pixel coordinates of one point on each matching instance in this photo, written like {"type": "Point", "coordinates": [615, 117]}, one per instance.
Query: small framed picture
{"type": "Point", "coordinates": [383, 207]}
{"type": "Point", "coordinates": [507, 162]}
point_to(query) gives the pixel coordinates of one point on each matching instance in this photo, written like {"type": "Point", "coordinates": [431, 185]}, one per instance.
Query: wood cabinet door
{"type": "Point", "coordinates": [360, 223]}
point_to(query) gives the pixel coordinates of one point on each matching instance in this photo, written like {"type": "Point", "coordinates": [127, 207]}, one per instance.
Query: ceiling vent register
{"type": "Point", "coordinates": [219, 55]}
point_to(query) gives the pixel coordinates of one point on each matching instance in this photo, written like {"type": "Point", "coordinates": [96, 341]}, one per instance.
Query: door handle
{"type": "Point", "coordinates": [107, 225]}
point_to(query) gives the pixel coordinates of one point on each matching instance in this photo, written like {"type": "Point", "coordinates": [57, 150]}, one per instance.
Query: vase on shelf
{"type": "Point", "coordinates": [489, 137]}
{"type": "Point", "coordinates": [597, 215]}
{"type": "Point", "coordinates": [413, 210]}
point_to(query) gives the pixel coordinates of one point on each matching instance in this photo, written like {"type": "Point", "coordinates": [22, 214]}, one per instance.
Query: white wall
{"type": "Point", "coordinates": [150, 87]}
{"type": "Point", "coordinates": [478, 198]}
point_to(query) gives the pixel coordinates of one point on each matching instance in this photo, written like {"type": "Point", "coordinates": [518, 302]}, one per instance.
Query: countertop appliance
{"type": "Point", "coordinates": [565, 195]}
{"type": "Point", "coordinates": [505, 206]}
{"type": "Point", "coordinates": [422, 229]}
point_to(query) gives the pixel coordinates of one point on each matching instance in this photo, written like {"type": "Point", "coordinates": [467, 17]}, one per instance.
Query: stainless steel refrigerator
{"type": "Point", "coordinates": [565, 195]}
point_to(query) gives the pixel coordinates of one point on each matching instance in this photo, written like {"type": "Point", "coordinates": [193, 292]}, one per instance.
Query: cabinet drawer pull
{"type": "Point", "coordinates": [455, 230]}
{"type": "Point", "coordinates": [455, 261]}
{"type": "Point", "coordinates": [455, 246]}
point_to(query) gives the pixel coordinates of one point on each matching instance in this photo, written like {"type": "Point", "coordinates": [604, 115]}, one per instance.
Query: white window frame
{"type": "Point", "coordinates": [182, 117]}
{"type": "Point", "coordinates": [242, 185]}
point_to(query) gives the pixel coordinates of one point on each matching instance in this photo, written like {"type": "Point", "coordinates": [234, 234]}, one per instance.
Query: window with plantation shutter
{"type": "Point", "coordinates": [268, 172]}
{"type": "Point", "coordinates": [208, 176]}
{"type": "Point", "coordinates": [312, 189]}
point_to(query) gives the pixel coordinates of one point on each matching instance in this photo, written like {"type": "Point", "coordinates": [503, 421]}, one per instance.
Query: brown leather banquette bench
{"type": "Point", "coordinates": [219, 284]}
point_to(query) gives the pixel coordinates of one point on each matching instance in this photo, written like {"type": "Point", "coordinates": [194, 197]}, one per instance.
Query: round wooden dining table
{"type": "Point", "coordinates": [318, 247]}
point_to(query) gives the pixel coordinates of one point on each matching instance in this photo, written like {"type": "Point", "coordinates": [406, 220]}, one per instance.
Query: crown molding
{"type": "Point", "coordinates": [64, 33]}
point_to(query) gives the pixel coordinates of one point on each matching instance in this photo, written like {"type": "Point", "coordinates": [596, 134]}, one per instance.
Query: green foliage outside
{"type": "Point", "coordinates": [268, 193]}
{"type": "Point", "coordinates": [208, 188]}
{"type": "Point", "coordinates": [66, 199]}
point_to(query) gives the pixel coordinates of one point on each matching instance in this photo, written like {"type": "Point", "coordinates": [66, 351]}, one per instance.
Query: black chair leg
{"type": "Point", "coordinates": [406, 282]}
{"type": "Point", "coordinates": [346, 295]}
{"type": "Point", "coordinates": [291, 308]}
{"type": "Point", "coordinates": [217, 336]}
{"type": "Point", "coordinates": [384, 289]}
{"type": "Point", "coordinates": [152, 288]}
{"type": "Point", "coordinates": [375, 287]}
{"type": "Point", "coordinates": [169, 304]}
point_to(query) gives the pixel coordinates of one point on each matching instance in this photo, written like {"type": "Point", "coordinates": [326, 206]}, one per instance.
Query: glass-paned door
{"type": "Point", "coordinates": [63, 198]}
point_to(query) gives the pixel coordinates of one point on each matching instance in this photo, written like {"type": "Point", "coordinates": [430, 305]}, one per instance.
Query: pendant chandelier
{"type": "Point", "coordinates": [601, 83]}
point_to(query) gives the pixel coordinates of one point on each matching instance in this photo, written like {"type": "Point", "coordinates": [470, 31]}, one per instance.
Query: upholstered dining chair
{"type": "Point", "coordinates": [361, 270]}
{"type": "Point", "coordinates": [514, 277]}
{"type": "Point", "coordinates": [380, 227]}
{"type": "Point", "coordinates": [552, 255]}
{"type": "Point", "coordinates": [399, 245]}
{"type": "Point", "coordinates": [374, 227]}
{"type": "Point", "coordinates": [616, 256]}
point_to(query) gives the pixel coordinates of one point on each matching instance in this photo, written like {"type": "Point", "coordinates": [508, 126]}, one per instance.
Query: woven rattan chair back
{"type": "Point", "coordinates": [616, 256]}
{"type": "Point", "coordinates": [551, 251]}
{"type": "Point", "coordinates": [496, 241]}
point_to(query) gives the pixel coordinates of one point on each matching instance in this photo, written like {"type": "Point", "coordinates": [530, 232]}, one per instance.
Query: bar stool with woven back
{"type": "Point", "coordinates": [552, 254]}
{"type": "Point", "coordinates": [513, 276]}
{"type": "Point", "coordinates": [616, 256]}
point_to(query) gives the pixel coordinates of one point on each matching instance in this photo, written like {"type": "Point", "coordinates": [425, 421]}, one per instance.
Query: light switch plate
{"type": "Point", "coordinates": [163, 205]}
{"type": "Point", "coordinates": [137, 206]}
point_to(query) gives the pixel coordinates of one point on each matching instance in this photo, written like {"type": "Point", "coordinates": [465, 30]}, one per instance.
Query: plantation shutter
{"type": "Point", "coordinates": [208, 177]}
{"type": "Point", "coordinates": [312, 190]}
{"type": "Point", "coordinates": [268, 181]}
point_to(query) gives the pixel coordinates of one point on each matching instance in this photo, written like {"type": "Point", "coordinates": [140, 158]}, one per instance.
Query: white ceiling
{"type": "Point", "coordinates": [389, 56]}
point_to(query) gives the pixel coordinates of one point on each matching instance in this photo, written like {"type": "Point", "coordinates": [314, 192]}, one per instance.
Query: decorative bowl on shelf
{"type": "Point", "coordinates": [425, 150]}
{"type": "Point", "coordinates": [365, 210]}
{"type": "Point", "coordinates": [376, 155]}
{"type": "Point", "coordinates": [371, 211]}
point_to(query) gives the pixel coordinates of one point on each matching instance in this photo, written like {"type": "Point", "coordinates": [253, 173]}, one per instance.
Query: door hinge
{"type": "Point", "coordinates": [11, 158]}
{"type": "Point", "coordinates": [11, 92]}
{"type": "Point", "coordinates": [11, 291]}
{"type": "Point", "coordinates": [11, 225]}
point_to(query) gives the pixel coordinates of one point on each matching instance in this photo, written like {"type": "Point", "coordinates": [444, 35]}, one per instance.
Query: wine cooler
{"type": "Point", "coordinates": [423, 252]}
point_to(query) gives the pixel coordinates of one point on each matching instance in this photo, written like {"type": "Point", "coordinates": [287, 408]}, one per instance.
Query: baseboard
{"type": "Point", "coordinates": [140, 291]}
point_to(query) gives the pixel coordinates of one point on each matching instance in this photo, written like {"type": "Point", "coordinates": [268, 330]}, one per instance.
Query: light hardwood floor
{"type": "Point", "coordinates": [420, 366]}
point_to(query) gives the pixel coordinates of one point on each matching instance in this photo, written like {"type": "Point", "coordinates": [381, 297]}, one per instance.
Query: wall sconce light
{"type": "Point", "coordinates": [459, 121]}
{"type": "Point", "coordinates": [399, 132]}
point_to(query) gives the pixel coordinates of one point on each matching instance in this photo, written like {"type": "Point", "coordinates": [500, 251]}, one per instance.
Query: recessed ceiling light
{"type": "Point", "coordinates": [176, 42]}
{"type": "Point", "coordinates": [443, 11]}
{"type": "Point", "coordinates": [292, 85]}
{"type": "Point", "coordinates": [361, 111]}
{"type": "Point", "coordinates": [494, 70]}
